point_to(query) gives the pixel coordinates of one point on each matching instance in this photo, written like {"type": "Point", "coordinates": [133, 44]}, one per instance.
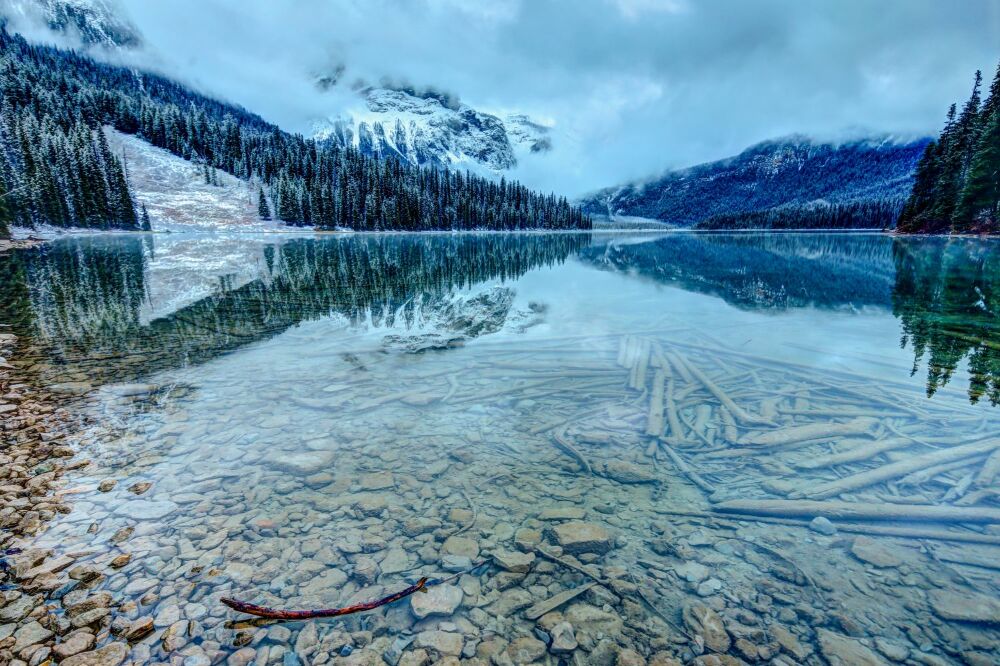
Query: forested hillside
{"type": "Point", "coordinates": [847, 185]}
{"type": "Point", "coordinates": [858, 215]}
{"type": "Point", "coordinates": [55, 168]}
{"type": "Point", "coordinates": [957, 184]}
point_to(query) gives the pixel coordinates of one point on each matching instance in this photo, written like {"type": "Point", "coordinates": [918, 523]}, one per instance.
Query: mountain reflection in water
{"type": "Point", "coordinates": [147, 303]}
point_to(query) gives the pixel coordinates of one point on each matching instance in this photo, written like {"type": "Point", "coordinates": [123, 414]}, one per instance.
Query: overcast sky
{"type": "Point", "coordinates": [632, 87]}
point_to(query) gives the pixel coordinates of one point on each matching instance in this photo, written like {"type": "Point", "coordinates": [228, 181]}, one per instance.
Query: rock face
{"type": "Point", "coordinates": [843, 651]}
{"type": "Point", "coordinates": [438, 600]}
{"type": "Point", "coordinates": [965, 606]}
{"type": "Point", "coordinates": [579, 537]}
{"type": "Point", "coordinates": [430, 128]}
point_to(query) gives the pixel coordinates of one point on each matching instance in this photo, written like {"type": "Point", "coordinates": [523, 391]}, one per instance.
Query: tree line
{"type": "Point", "coordinates": [957, 183]}
{"type": "Point", "coordinates": [51, 99]}
{"type": "Point", "coordinates": [880, 214]}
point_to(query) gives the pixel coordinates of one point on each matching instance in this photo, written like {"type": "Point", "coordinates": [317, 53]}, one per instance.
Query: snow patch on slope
{"type": "Point", "coordinates": [176, 196]}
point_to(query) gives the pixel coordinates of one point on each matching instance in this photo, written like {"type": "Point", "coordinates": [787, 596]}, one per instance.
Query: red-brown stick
{"type": "Point", "coordinates": [277, 614]}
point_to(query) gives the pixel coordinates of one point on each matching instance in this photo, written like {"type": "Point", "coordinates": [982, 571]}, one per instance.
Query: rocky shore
{"type": "Point", "coordinates": [47, 613]}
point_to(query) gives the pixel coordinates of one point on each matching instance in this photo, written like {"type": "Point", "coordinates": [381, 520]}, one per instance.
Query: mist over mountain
{"type": "Point", "coordinates": [92, 22]}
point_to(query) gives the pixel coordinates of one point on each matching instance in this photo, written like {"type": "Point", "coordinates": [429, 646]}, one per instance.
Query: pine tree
{"type": "Point", "coordinates": [263, 212]}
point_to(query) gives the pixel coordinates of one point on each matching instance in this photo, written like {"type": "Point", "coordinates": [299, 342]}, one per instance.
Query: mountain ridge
{"type": "Point", "coordinates": [791, 171]}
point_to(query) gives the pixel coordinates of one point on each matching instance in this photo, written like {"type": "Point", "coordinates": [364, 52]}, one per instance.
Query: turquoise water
{"type": "Point", "coordinates": [325, 420]}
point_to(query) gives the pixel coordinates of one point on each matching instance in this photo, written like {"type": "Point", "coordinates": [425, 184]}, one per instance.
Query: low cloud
{"type": "Point", "coordinates": [631, 87]}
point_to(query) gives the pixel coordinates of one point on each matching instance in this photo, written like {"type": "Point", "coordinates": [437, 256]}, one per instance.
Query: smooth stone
{"type": "Point", "coordinates": [563, 638]}
{"type": "Point", "coordinates": [692, 571]}
{"type": "Point", "coordinates": [871, 551]}
{"type": "Point", "coordinates": [580, 537]}
{"type": "Point", "coordinates": [395, 561]}
{"type": "Point", "coordinates": [525, 650]}
{"type": "Point", "coordinates": [444, 642]}
{"type": "Point", "coordinates": [147, 509]}
{"type": "Point", "coordinates": [562, 513]}
{"type": "Point", "coordinates": [702, 620]}
{"type": "Point", "coordinates": [377, 481]}
{"type": "Point", "coordinates": [822, 525]}
{"type": "Point", "coordinates": [29, 634]}
{"type": "Point", "coordinates": [513, 560]}
{"type": "Point", "coordinates": [965, 606]}
{"type": "Point", "coordinates": [110, 655]}
{"type": "Point", "coordinates": [591, 619]}
{"type": "Point", "coordinates": [462, 546]}
{"type": "Point", "coordinates": [75, 643]}
{"type": "Point", "coordinates": [304, 463]}
{"type": "Point", "coordinates": [840, 650]}
{"type": "Point", "coordinates": [439, 600]}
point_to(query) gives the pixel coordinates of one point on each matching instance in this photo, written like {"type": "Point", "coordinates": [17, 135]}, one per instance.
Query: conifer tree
{"type": "Point", "coordinates": [263, 212]}
{"type": "Point", "coordinates": [146, 226]}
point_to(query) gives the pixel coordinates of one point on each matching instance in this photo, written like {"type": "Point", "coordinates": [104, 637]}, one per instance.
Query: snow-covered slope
{"type": "Point", "coordinates": [433, 129]}
{"type": "Point", "coordinates": [176, 196]}
{"type": "Point", "coordinates": [94, 22]}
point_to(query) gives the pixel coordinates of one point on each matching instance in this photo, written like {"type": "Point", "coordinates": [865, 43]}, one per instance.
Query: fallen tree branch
{"type": "Point", "coordinates": [278, 614]}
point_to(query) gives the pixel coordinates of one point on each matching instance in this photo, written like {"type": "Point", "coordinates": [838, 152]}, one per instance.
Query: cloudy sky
{"type": "Point", "coordinates": [632, 87]}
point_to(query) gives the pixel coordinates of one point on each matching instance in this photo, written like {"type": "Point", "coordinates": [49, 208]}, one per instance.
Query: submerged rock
{"type": "Point", "coordinates": [870, 551]}
{"type": "Point", "coordinates": [438, 600]}
{"type": "Point", "coordinates": [840, 650]}
{"type": "Point", "coordinates": [147, 510]}
{"type": "Point", "coordinates": [702, 620]}
{"type": "Point", "coordinates": [580, 537]}
{"type": "Point", "coordinates": [965, 606]}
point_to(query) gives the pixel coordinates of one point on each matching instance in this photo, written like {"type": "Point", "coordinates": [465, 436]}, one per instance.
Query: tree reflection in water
{"type": "Point", "coordinates": [947, 298]}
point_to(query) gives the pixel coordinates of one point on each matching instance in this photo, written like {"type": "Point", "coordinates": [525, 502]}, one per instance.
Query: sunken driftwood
{"type": "Point", "coordinates": [278, 614]}
{"type": "Point", "coordinates": [898, 469]}
{"type": "Point", "coordinates": [861, 511]}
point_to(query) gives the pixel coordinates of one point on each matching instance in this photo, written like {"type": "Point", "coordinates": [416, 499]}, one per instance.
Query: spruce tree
{"type": "Point", "coordinates": [146, 226]}
{"type": "Point", "coordinates": [263, 212]}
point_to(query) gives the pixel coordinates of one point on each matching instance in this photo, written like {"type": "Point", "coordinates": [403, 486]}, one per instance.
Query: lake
{"type": "Point", "coordinates": [603, 448]}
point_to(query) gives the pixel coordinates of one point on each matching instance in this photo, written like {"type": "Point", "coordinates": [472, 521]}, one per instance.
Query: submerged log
{"type": "Point", "coordinates": [936, 534]}
{"type": "Point", "coordinates": [810, 432]}
{"type": "Point", "coordinates": [989, 471]}
{"type": "Point", "coordinates": [685, 469]}
{"type": "Point", "coordinates": [738, 412]}
{"type": "Point", "coordinates": [654, 422]}
{"type": "Point", "coordinates": [554, 602]}
{"type": "Point", "coordinates": [898, 469]}
{"type": "Point", "coordinates": [864, 450]}
{"type": "Point", "coordinates": [835, 510]}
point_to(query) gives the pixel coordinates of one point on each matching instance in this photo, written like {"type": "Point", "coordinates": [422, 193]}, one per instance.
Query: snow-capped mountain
{"type": "Point", "coordinates": [95, 22]}
{"type": "Point", "coordinates": [430, 128]}
{"type": "Point", "coordinates": [793, 171]}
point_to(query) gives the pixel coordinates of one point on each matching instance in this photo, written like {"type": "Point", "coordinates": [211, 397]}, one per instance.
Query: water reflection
{"type": "Point", "coordinates": [141, 304]}
{"type": "Point", "coordinates": [97, 299]}
{"type": "Point", "coordinates": [947, 299]}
